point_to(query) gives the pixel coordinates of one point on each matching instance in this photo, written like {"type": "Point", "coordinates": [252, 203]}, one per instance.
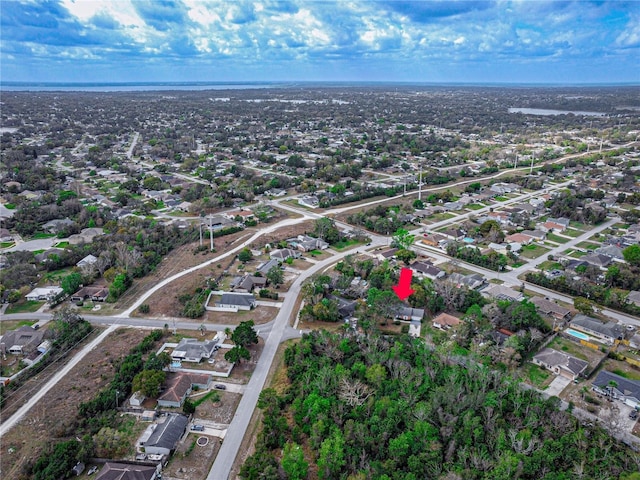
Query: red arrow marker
{"type": "Point", "coordinates": [403, 289]}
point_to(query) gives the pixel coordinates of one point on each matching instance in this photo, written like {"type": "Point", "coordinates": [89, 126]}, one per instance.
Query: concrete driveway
{"type": "Point", "coordinates": [555, 388]}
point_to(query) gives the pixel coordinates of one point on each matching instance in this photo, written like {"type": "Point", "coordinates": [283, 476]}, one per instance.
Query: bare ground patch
{"type": "Point", "coordinates": [54, 418]}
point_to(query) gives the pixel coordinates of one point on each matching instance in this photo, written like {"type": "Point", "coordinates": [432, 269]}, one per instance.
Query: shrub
{"type": "Point", "coordinates": [144, 308]}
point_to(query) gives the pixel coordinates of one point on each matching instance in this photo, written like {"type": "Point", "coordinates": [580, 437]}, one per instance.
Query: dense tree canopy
{"type": "Point", "coordinates": [389, 408]}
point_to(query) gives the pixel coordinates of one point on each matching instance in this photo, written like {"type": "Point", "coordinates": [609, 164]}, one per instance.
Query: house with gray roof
{"type": "Point", "coordinates": [634, 297]}
{"type": "Point", "coordinates": [284, 253]}
{"type": "Point", "coordinates": [473, 281]}
{"type": "Point", "coordinates": [502, 292]}
{"type": "Point", "coordinates": [561, 363]}
{"type": "Point", "coordinates": [551, 309]}
{"type": "Point", "coordinates": [162, 438]}
{"type": "Point", "coordinates": [624, 389]}
{"type": "Point", "coordinates": [612, 251]}
{"type": "Point", "coordinates": [605, 332]}
{"type": "Point", "coordinates": [597, 259]}
{"type": "Point", "coordinates": [236, 301]}
{"type": "Point", "coordinates": [408, 313]}
{"type": "Point", "coordinates": [191, 350]}
{"type": "Point", "coordinates": [264, 268]}
{"type": "Point", "coordinates": [128, 471]}
{"type": "Point", "coordinates": [22, 340]}
{"type": "Point", "coordinates": [428, 270]}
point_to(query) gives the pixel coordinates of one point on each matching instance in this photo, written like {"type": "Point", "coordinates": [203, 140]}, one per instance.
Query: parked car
{"type": "Point", "coordinates": [92, 470]}
{"type": "Point", "coordinates": [197, 428]}
{"type": "Point", "coordinates": [633, 415]}
{"type": "Point", "coordinates": [220, 386]}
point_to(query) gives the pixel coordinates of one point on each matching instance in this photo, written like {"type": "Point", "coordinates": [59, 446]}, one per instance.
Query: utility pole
{"type": "Point", "coordinates": [515, 162]}
{"type": "Point", "coordinates": [200, 232]}
{"type": "Point", "coordinates": [211, 231]}
{"type": "Point", "coordinates": [533, 156]}
{"type": "Point", "coordinates": [420, 184]}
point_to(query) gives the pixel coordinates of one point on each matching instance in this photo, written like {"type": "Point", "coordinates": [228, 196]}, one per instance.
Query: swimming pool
{"type": "Point", "coordinates": [468, 240]}
{"type": "Point", "coordinates": [579, 335]}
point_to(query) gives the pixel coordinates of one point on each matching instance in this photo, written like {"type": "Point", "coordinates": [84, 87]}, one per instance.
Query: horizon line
{"type": "Point", "coordinates": [17, 83]}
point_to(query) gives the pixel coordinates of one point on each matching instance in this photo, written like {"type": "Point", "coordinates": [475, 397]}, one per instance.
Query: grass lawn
{"type": "Point", "coordinates": [626, 374]}
{"type": "Point", "coordinates": [24, 307]}
{"type": "Point", "coordinates": [7, 244]}
{"type": "Point", "coordinates": [588, 245]}
{"type": "Point", "coordinates": [621, 225]}
{"type": "Point", "coordinates": [13, 324]}
{"type": "Point", "coordinates": [564, 345]}
{"type": "Point", "coordinates": [533, 251]}
{"type": "Point", "coordinates": [58, 275]}
{"type": "Point", "coordinates": [576, 253]}
{"type": "Point", "coordinates": [501, 199]}
{"type": "Point", "coordinates": [549, 265]}
{"type": "Point", "coordinates": [475, 206]}
{"type": "Point", "coordinates": [61, 244]}
{"type": "Point", "coordinates": [578, 225]}
{"type": "Point", "coordinates": [341, 245]}
{"type": "Point", "coordinates": [556, 238]}
{"type": "Point", "coordinates": [570, 232]}
{"type": "Point", "coordinates": [536, 375]}
{"type": "Point", "coordinates": [441, 216]}
{"type": "Point", "coordinates": [42, 235]}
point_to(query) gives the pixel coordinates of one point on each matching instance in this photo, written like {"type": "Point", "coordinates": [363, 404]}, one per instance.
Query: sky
{"type": "Point", "coordinates": [448, 41]}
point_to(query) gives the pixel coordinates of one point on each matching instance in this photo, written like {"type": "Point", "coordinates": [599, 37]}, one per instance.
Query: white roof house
{"type": "Point", "coordinates": [43, 293]}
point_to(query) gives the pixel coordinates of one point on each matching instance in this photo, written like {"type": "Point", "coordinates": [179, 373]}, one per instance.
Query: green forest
{"type": "Point", "coordinates": [361, 407]}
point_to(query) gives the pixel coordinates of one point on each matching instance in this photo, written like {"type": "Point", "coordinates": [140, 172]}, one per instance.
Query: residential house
{"type": "Point", "coordinates": [455, 233]}
{"type": "Point", "coordinates": [520, 238]}
{"type": "Point", "coordinates": [537, 235]}
{"type": "Point", "coordinates": [43, 293]}
{"type": "Point", "coordinates": [178, 385]}
{"type": "Point", "coordinates": [606, 332]}
{"type": "Point", "coordinates": [162, 438]}
{"type": "Point", "coordinates": [551, 309]}
{"type": "Point", "coordinates": [408, 313]}
{"type": "Point", "coordinates": [276, 192]}
{"type": "Point", "coordinates": [57, 225]}
{"type": "Point", "coordinates": [86, 235]}
{"type": "Point", "coordinates": [560, 221]}
{"type": "Point", "coordinates": [22, 340]}
{"type": "Point", "coordinates": [386, 254]}
{"type": "Point", "coordinates": [452, 206]}
{"type": "Point", "coordinates": [501, 188]}
{"type": "Point", "coordinates": [217, 222]}
{"type": "Point", "coordinates": [551, 226]}
{"type": "Point", "coordinates": [346, 308]}
{"type": "Point", "coordinates": [634, 297]}
{"type": "Point", "coordinates": [128, 471]}
{"type": "Point", "coordinates": [5, 235]}
{"type": "Point", "coordinates": [137, 399]}
{"type": "Point", "coordinates": [435, 240]}
{"type": "Point", "coordinates": [427, 270]}
{"type": "Point", "coordinates": [284, 253]}
{"type": "Point", "coordinates": [502, 292]}
{"type": "Point", "coordinates": [619, 388]}
{"type": "Point", "coordinates": [264, 268]}
{"type": "Point", "coordinates": [95, 293]}
{"type": "Point", "coordinates": [87, 261]}
{"type": "Point", "coordinates": [444, 321]}
{"type": "Point", "coordinates": [306, 243]}
{"type": "Point", "coordinates": [503, 218]}
{"type": "Point", "coordinates": [192, 350]}
{"type": "Point", "coordinates": [243, 214]}
{"type": "Point", "coordinates": [237, 301]}
{"type": "Point", "coordinates": [310, 201]}
{"type": "Point", "coordinates": [473, 281]}
{"type": "Point", "coordinates": [613, 251]}
{"type": "Point", "coordinates": [561, 363]}
{"type": "Point", "coordinates": [247, 283]}
{"type": "Point", "coordinates": [597, 259]}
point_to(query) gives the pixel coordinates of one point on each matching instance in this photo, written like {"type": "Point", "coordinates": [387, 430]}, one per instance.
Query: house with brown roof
{"type": "Point", "coordinates": [520, 238]}
{"type": "Point", "coordinates": [128, 471]}
{"type": "Point", "coordinates": [551, 309]}
{"type": "Point", "coordinates": [95, 293]}
{"type": "Point", "coordinates": [178, 386]}
{"type": "Point", "coordinates": [444, 321]}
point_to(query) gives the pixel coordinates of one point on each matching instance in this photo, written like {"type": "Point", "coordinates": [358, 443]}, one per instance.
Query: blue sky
{"type": "Point", "coordinates": [527, 41]}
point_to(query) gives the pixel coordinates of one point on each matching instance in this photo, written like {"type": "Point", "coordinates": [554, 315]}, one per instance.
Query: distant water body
{"type": "Point", "coordinates": [545, 111]}
{"type": "Point", "coordinates": [132, 87]}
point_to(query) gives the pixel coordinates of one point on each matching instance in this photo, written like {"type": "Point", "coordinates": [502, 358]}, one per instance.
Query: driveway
{"type": "Point", "coordinates": [555, 388]}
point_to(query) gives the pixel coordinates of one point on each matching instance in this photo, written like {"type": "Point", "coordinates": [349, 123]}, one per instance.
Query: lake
{"type": "Point", "coordinates": [545, 111]}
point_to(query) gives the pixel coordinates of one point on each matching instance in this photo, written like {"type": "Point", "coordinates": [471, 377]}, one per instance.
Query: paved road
{"type": "Point", "coordinates": [223, 463]}
{"type": "Point", "coordinates": [22, 411]}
